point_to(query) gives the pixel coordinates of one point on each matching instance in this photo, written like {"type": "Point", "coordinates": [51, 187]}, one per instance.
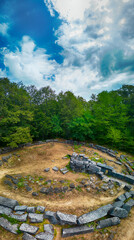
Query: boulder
{"type": "Point", "coordinates": [5, 210]}
{"type": "Point", "coordinates": [118, 204]}
{"type": "Point", "coordinates": [51, 216]}
{"type": "Point", "coordinates": [130, 203]}
{"type": "Point", "coordinates": [118, 212]}
{"type": "Point", "coordinates": [44, 236]}
{"type": "Point", "coordinates": [20, 208]}
{"type": "Point", "coordinates": [8, 226]}
{"type": "Point", "coordinates": [27, 236]}
{"type": "Point", "coordinates": [94, 215]}
{"type": "Point", "coordinates": [7, 202]}
{"type": "Point", "coordinates": [20, 218]}
{"type": "Point", "coordinates": [35, 217]}
{"type": "Point", "coordinates": [108, 222]}
{"type": "Point", "coordinates": [67, 232]}
{"type": "Point", "coordinates": [28, 228]}
{"type": "Point", "coordinates": [49, 228]}
{"type": "Point", "coordinates": [66, 218]}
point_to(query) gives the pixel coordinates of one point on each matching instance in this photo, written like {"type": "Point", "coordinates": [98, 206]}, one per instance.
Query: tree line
{"type": "Point", "coordinates": [28, 114]}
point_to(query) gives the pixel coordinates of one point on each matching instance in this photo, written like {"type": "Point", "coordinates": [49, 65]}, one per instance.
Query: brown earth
{"type": "Point", "coordinates": [33, 160]}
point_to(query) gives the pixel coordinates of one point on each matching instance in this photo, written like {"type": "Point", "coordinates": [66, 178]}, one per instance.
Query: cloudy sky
{"type": "Point", "coordinates": [84, 46]}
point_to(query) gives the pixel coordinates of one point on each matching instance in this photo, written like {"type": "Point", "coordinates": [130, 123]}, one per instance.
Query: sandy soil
{"type": "Point", "coordinates": [33, 160]}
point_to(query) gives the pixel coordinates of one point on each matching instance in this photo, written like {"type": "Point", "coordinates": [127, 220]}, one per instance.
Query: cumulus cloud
{"type": "Point", "coordinates": [29, 63]}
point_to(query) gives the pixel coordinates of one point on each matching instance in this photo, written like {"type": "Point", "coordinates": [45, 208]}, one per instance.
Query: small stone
{"type": "Point", "coordinates": [56, 169]}
{"type": "Point", "coordinates": [72, 185]}
{"type": "Point", "coordinates": [29, 189]}
{"type": "Point", "coordinates": [46, 169]}
{"type": "Point", "coordinates": [35, 194]}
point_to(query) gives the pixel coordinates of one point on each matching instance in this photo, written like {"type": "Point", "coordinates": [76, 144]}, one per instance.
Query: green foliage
{"type": "Point", "coordinates": [27, 114]}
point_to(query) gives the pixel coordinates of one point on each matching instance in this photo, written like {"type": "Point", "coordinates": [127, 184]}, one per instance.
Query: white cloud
{"type": "Point", "coordinates": [4, 29]}
{"type": "Point", "coordinates": [29, 64]}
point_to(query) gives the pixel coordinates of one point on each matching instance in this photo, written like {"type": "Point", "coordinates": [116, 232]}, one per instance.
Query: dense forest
{"type": "Point", "coordinates": [28, 114]}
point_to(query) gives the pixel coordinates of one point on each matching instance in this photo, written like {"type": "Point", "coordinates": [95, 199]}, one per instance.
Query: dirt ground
{"type": "Point", "coordinates": [33, 160]}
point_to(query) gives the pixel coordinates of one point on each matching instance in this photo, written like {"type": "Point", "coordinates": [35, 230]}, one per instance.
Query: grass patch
{"type": "Point", "coordinates": [78, 189]}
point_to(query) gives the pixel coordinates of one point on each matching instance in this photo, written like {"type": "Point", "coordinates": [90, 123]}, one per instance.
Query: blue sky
{"type": "Point", "coordinates": [83, 46]}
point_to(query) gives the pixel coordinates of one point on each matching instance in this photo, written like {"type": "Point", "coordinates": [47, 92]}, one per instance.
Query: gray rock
{"type": "Point", "coordinates": [20, 208]}
{"type": "Point", "coordinates": [67, 232]}
{"type": "Point", "coordinates": [127, 195]}
{"type": "Point", "coordinates": [66, 218]}
{"type": "Point", "coordinates": [118, 212]}
{"type": "Point", "coordinates": [31, 209]}
{"type": "Point", "coordinates": [19, 212]}
{"type": "Point", "coordinates": [8, 202]}
{"type": "Point", "coordinates": [108, 222]}
{"type": "Point", "coordinates": [41, 209]}
{"type": "Point", "coordinates": [27, 236]}
{"type": "Point", "coordinates": [118, 204]}
{"type": "Point", "coordinates": [49, 228]}
{"type": "Point", "coordinates": [7, 182]}
{"type": "Point", "coordinates": [20, 218]}
{"type": "Point", "coordinates": [5, 210]}
{"type": "Point", "coordinates": [132, 193]}
{"type": "Point", "coordinates": [130, 203]}
{"type": "Point", "coordinates": [127, 187]}
{"type": "Point", "coordinates": [94, 215]}
{"type": "Point", "coordinates": [35, 194]}
{"type": "Point", "coordinates": [126, 207]}
{"type": "Point", "coordinates": [46, 169]}
{"type": "Point", "coordinates": [121, 198]}
{"type": "Point", "coordinates": [29, 189]}
{"type": "Point", "coordinates": [28, 228]}
{"type": "Point", "coordinates": [8, 226]}
{"type": "Point", "coordinates": [43, 190]}
{"type": "Point", "coordinates": [35, 217]}
{"type": "Point", "coordinates": [51, 216]}
{"type": "Point", "coordinates": [56, 169]}
{"type": "Point", "coordinates": [44, 236]}
{"type": "Point", "coordinates": [72, 185]}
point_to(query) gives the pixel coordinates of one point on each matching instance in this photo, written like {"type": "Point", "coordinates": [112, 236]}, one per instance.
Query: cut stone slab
{"type": "Point", "coordinates": [19, 213]}
{"type": "Point", "coordinates": [56, 169]}
{"type": "Point", "coordinates": [51, 216]}
{"type": "Point", "coordinates": [127, 187]}
{"type": "Point", "coordinates": [94, 215]}
{"type": "Point", "coordinates": [8, 226]}
{"type": "Point", "coordinates": [20, 218]}
{"type": "Point", "coordinates": [28, 228]}
{"type": "Point", "coordinates": [31, 209]}
{"type": "Point", "coordinates": [27, 236]}
{"type": "Point", "coordinates": [64, 170]}
{"type": "Point", "coordinates": [126, 207]}
{"type": "Point", "coordinates": [132, 193]}
{"type": "Point", "coordinates": [41, 209]}
{"type": "Point", "coordinates": [127, 195]}
{"type": "Point", "coordinates": [118, 212]}
{"type": "Point", "coordinates": [67, 232]}
{"type": "Point", "coordinates": [49, 228]}
{"type": "Point", "coordinates": [108, 222]}
{"type": "Point", "coordinates": [118, 204]}
{"type": "Point", "coordinates": [5, 210]}
{"type": "Point", "coordinates": [20, 208]}
{"type": "Point", "coordinates": [7, 202]}
{"type": "Point", "coordinates": [66, 218]}
{"type": "Point", "coordinates": [44, 236]}
{"type": "Point", "coordinates": [121, 198]}
{"type": "Point", "coordinates": [130, 203]}
{"type": "Point", "coordinates": [35, 217]}
{"type": "Point", "coordinates": [7, 182]}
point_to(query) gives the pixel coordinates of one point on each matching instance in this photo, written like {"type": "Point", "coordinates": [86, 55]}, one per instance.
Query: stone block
{"type": "Point", "coordinates": [49, 228]}
{"type": "Point", "coordinates": [94, 215]}
{"type": "Point", "coordinates": [8, 226]}
{"type": "Point", "coordinates": [66, 218]}
{"type": "Point", "coordinates": [35, 217]}
{"type": "Point", "coordinates": [68, 232]}
{"type": "Point", "coordinates": [108, 222]}
{"type": "Point", "coordinates": [44, 236]}
{"type": "Point", "coordinates": [28, 228]}
{"type": "Point", "coordinates": [20, 218]}
{"type": "Point", "coordinates": [41, 209]}
{"type": "Point", "coordinates": [118, 212]}
{"type": "Point", "coordinates": [27, 236]}
{"type": "Point", "coordinates": [5, 210]}
{"type": "Point", "coordinates": [7, 202]}
{"type": "Point", "coordinates": [20, 208]}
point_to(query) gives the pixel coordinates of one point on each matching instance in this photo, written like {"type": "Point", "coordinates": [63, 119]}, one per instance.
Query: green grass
{"type": "Point", "coordinates": [78, 189]}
